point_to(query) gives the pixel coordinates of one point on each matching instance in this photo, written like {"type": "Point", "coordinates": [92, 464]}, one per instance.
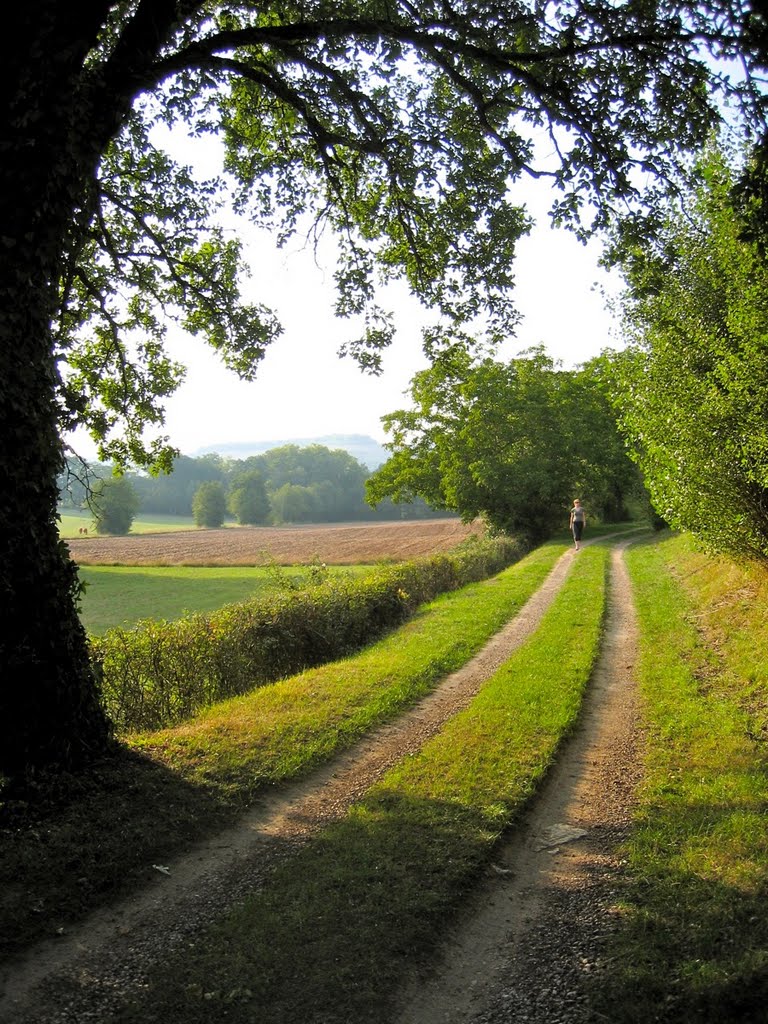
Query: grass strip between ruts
{"type": "Point", "coordinates": [693, 940]}
{"type": "Point", "coordinates": [337, 926]}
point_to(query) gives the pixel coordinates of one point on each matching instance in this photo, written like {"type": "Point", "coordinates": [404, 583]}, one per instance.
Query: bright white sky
{"type": "Point", "coordinates": [305, 390]}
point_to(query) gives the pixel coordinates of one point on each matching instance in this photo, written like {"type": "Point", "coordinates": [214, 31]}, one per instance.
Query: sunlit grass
{"type": "Point", "coordinates": [72, 523]}
{"type": "Point", "coordinates": [199, 776]}
{"type": "Point", "coordinates": [296, 723]}
{"type": "Point", "coordinates": [693, 945]}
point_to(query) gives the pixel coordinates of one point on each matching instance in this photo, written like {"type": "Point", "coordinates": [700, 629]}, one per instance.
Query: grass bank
{"type": "Point", "coordinates": [692, 945]}
{"type": "Point", "coordinates": [80, 842]}
{"type": "Point", "coordinates": [334, 930]}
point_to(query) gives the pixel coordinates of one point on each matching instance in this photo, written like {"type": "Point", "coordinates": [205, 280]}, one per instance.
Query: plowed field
{"type": "Point", "coordinates": [349, 544]}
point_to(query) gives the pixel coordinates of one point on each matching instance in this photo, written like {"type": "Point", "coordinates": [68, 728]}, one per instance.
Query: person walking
{"type": "Point", "coordinates": [577, 522]}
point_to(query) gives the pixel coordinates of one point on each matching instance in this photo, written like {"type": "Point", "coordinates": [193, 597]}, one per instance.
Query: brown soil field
{"type": "Point", "coordinates": [334, 544]}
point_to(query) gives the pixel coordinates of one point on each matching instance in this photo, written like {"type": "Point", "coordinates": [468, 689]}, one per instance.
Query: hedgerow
{"type": "Point", "coordinates": [160, 673]}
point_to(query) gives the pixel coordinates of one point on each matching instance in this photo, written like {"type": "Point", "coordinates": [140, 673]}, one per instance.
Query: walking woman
{"type": "Point", "coordinates": [577, 522]}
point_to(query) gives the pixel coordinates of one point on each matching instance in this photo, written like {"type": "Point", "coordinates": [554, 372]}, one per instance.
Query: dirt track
{"type": "Point", "coordinates": [540, 916]}
{"type": "Point", "coordinates": [335, 544]}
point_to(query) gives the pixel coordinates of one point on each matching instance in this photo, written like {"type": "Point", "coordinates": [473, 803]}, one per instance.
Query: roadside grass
{"type": "Point", "coordinates": [124, 595]}
{"type": "Point", "coordinates": [80, 842]}
{"type": "Point", "coordinates": [692, 943]}
{"type": "Point", "coordinates": [336, 929]}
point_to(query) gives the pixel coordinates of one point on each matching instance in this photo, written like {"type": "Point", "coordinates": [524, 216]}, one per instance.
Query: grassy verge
{"type": "Point", "coordinates": [79, 845]}
{"type": "Point", "coordinates": [335, 929]}
{"type": "Point", "coordinates": [693, 942]}
{"type": "Point", "coordinates": [124, 595]}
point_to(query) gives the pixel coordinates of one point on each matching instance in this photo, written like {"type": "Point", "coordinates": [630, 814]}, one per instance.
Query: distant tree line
{"type": "Point", "coordinates": [288, 484]}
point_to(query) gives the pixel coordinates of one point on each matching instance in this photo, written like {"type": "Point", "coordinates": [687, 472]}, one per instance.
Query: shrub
{"type": "Point", "coordinates": [160, 673]}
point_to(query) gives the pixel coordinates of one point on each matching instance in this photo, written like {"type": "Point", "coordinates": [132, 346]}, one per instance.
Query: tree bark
{"type": "Point", "coordinates": [50, 712]}
{"type": "Point", "coordinates": [49, 707]}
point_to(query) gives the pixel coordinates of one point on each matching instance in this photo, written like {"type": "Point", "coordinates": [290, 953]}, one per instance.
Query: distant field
{"type": "Point", "coordinates": [165, 574]}
{"type": "Point", "coordinates": [72, 523]}
{"type": "Point", "coordinates": [334, 544]}
{"type": "Point", "coordinates": [122, 595]}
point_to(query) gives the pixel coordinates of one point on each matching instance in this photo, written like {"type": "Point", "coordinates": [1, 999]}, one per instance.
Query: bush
{"type": "Point", "coordinates": [159, 673]}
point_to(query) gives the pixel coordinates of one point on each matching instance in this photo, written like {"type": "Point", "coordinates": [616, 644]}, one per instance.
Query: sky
{"type": "Point", "coordinates": [304, 390]}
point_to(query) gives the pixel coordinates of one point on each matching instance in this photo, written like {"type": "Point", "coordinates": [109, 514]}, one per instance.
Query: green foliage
{"type": "Point", "coordinates": [171, 493]}
{"type": "Point", "coordinates": [309, 106]}
{"type": "Point", "coordinates": [331, 482]}
{"type": "Point", "coordinates": [113, 504]}
{"type": "Point", "coordinates": [209, 505]}
{"type": "Point", "coordinates": [248, 500]}
{"type": "Point", "coordinates": [162, 672]}
{"type": "Point", "coordinates": [292, 503]}
{"type": "Point", "coordinates": [693, 387]}
{"type": "Point", "coordinates": [510, 442]}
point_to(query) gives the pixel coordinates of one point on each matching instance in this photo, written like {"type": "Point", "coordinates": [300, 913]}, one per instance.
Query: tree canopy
{"type": "Point", "coordinates": [402, 127]}
{"type": "Point", "coordinates": [512, 442]}
{"type": "Point", "coordinates": [209, 505]}
{"type": "Point", "coordinates": [692, 389]}
{"type": "Point", "coordinates": [114, 504]}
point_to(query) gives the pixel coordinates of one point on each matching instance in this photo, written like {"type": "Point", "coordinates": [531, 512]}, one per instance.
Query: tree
{"type": "Point", "coordinates": [209, 505]}
{"type": "Point", "coordinates": [114, 504]}
{"type": "Point", "coordinates": [248, 500]}
{"type": "Point", "coordinates": [401, 125]}
{"type": "Point", "coordinates": [172, 493]}
{"type": "Point", "coordinates": [293, 503]}
{"type": "Point", "coordinates": [510, 442]}
{"type": "Point", "coordinates": [693, 386]}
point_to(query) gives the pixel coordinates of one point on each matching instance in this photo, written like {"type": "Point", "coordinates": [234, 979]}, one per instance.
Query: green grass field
{"type": "Point", "coordinates": [72, 522]}
{"type": "Point", "coordinates": [124, 595]}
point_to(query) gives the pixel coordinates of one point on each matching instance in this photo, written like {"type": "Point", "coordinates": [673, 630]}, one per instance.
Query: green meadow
{"type": "Point", "coordinates": [124, 595]}
{"type": "Point", "coordinates": [71, 523]}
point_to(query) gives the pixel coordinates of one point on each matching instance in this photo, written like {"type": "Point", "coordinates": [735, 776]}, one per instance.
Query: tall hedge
{"type": "Point", "coordinates": [159, 673]}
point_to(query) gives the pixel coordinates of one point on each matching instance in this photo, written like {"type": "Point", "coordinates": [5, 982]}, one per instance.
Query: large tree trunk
{"type": "Point", "coordinates": [58, 112]}
{"type": "Point", "coordinates": [50, 713]}
{"type": "Point", "coordinates": [49, 707]}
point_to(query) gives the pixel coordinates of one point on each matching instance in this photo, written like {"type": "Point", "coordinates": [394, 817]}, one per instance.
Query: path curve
{"type": "Point", "coordinates": [87, 974]}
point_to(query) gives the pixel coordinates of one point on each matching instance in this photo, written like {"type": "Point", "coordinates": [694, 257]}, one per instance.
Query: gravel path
{"type": "Point", "coordinates": [546, 877]}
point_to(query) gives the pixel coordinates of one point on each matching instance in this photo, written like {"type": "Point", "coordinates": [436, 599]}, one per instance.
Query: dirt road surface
{"type": "Point", "coordinates": [532, 932]}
